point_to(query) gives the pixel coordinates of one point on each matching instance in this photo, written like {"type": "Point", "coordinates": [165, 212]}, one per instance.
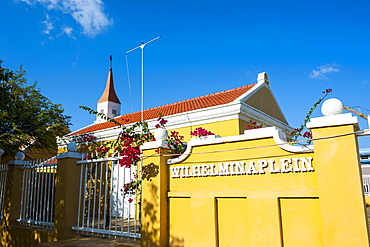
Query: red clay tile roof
{"type": "Point", "coordinates": [205, 101]}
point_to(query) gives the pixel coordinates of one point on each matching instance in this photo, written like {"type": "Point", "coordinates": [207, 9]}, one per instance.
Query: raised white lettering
{"type": "Point", "coordinates": [252, 168]}
{"type": "Point", "coordinates": [296, 166]}
{"type": "Point", "coordinates": [306, 164]}
{"type": "Point", "coordinates": [272, 168]}
{"type": "Point", "coordinates": [263, 164]}
{"type": "Point", "coordinates": [285, 165]}
{"type": "Point", "coordinates": [175, 171]}
{"type": "Point", "coordinates": [223, 169]}
{"type": "Point", "coordinates": [196, 171]}
{"type": "Point", "coordinates": [239, 167]}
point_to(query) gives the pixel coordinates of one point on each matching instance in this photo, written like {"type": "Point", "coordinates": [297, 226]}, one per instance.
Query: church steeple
{"type": "Point", "coordinates": [109, 103]}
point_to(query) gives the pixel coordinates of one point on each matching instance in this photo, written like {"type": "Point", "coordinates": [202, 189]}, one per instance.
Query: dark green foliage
{"type": "Point", "coordinates": [26, 116]}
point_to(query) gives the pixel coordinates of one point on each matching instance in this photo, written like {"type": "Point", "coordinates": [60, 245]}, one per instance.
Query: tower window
{"type": "Point", "coordinates": [114, 112]}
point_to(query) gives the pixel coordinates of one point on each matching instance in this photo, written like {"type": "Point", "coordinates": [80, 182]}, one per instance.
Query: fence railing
{"type": "Point", "coordinates": [38, 190]}
{"type": "Point", "coordinates": [3, 175]}
{"type": "Point", "coordinates": [104, 209]}
{"type": "Point", "coordinates": [366, 183]}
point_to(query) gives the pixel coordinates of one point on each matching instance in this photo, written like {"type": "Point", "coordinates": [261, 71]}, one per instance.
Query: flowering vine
{"type": "Point", "coordinates": [302, 130]}
{"type": "Point", "coordinates": [253, 125]}
{"type": "Point", "coordinates": [127, 146]}
{"type": "Point", "coordinates": [199, 132]}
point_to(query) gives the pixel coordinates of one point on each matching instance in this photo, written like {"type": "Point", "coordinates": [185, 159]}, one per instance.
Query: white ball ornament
{"type": "Point", "coordinates": [72, 147]}
{"type": "Point", "coordinates": [331, 107]}
{"type": "Point", "coordinates": [20, 156]}
{"type": "Point", "coordinates": [160, 134]}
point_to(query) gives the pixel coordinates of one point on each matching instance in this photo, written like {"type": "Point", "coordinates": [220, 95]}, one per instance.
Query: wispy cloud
{"type": "Point", "coordinates": [48, 25]}
{"type": "Point", "coordinates": [89, 14]}
{"type": "Point", "coordinates": [323, 70]}
{"type": "Point", "coordinates": [68, 31]}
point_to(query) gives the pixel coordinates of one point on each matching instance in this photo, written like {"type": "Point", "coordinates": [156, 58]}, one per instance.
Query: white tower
{"type": "Point", "coordinates": [108, 103]}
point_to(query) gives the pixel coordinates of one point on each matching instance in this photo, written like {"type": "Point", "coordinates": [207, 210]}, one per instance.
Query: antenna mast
{"type": "Point", "coordinates": [142, 46]}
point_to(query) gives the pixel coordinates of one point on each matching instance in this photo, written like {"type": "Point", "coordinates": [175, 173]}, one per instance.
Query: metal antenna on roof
{"type": "Point", "coordinates": [142, 72]}
{"type": "Point", "coordinates": [110, 58]}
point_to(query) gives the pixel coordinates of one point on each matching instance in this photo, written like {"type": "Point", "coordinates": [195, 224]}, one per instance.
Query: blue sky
{"type": "Point", "coordinates": [205, 47]}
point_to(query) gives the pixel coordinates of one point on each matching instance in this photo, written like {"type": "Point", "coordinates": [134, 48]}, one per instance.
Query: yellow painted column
{"type": "Point", "coordinates": [154, 213]}
{"type": "Point", "coordinates": [341, 195]}
{"type": "Point", "coordinates": [67, 186]}
{"type": "Point", "coordinates": [12, 200]}
{"type": "Point", "coordinates": [263, 218]}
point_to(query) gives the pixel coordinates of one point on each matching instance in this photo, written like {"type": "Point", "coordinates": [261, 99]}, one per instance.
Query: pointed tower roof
{"type": "Point", "coordinates": [109, 93]}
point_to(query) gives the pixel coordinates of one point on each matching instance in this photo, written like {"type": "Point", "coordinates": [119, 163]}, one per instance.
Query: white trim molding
{"type": "Point", "coordinates": [277, 134]}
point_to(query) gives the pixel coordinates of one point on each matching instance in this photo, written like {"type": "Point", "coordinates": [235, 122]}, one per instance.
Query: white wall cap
{"type": "Point", "coordinates": [18, 162]}
{"type": "Point", "coordinates": [277, 134]}
{"type": "Point", "coordinates": [153, 145]}
{"type": "Point", "coordinates": [332, 120]}
{"type": "Point", "coordinates": [74, 155]}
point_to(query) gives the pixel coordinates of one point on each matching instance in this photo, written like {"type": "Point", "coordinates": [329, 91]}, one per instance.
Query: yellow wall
{"type": "Point", "coordinates": [322, 206]}
{"type": "Point", "coordinates": [239, 210]}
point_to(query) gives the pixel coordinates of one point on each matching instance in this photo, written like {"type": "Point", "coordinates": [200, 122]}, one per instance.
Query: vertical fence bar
{"type": "Point", "coordinates": [366, 183]}
{"type": "Point", "coordinates": [79, 198]}
{"type": "Point", "coordinates": [95, 186]}
{"type": "Point", "coordinates": [100, 192]}
{"type": "Point", "coordinates": [3, 174]}
{"type": "Point", "coordinates": [85, 195]}
{"type": "Point", "coordinates": [101, 182]}
{"type": "Point", "coordinates": [37, 198]}
{"type": "Point", "coordinates": [106, 195]}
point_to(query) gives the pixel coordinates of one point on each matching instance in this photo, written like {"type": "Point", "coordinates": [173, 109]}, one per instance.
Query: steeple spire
{"type": "Point", "coordinates": [109, 103]}
{"type": "Point", "coordinates": [109, 93]}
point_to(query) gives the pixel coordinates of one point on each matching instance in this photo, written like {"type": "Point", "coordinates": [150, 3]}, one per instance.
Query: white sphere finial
{"type": "Point", "coordinates": [72, 147]}
{"type": "Point", "coordinates": [160, 134]}
{"type": "Point", "coordinates": [20, 156]}
{"type": "Point", "coordinates": [331, 107]}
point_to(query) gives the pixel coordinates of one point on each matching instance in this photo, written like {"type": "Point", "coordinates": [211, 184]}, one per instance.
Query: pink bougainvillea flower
{"type": "Point", "coordinates": [87, 157]}
{"type": "Point", "coordinates": [307, 134]}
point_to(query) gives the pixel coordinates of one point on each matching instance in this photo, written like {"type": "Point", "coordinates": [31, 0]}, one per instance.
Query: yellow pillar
{"type": "Point", "coordinates": [342, 203]}
{"type": "Point", "coordinates": [154, 219]}
{"type": "Point", "coordinates": [12, 199]}
{"type": "Point", "coordinates": [66, 194]}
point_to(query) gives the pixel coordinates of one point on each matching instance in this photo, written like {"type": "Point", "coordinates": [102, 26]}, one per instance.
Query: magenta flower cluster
{"type": "Point", "coordinates": [131, 188]}
{"type": "Point", "coordinates": [130, 155]}
{"type": "Point", "coordinates": [88, 138]}
{"type": "Point", "coordinates": [253, 125]}
{"type": "Point", "coordinates": [162, 122]}
{"type": "Point", "coordinates": [198, 132]}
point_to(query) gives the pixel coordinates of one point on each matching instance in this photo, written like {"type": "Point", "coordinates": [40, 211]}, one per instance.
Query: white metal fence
{"type": "Point", "coordinates": [38, 187]}
{"type": "Point", "coordinates": [3, 175]}
{"type": "Point", "coordinates": [104, 209]}
{"type": "Point", "coordinates": [366, 182]}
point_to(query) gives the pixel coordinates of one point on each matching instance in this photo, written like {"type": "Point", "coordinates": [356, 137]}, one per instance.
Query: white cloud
{"type": "Point", "coordinates": [322, 70]}
{"type": "Point", "coordinates": [48, 25]}
{"type": "Point", "coordinates": [87, 13]}
{"type": "Point", "coordinates": [68, 31]}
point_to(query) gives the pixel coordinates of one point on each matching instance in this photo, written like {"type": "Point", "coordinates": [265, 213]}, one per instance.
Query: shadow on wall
{"type": "Point", "coordinates": [150, 231]}
{"type": "Point", "coordinates": [12, 233]}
